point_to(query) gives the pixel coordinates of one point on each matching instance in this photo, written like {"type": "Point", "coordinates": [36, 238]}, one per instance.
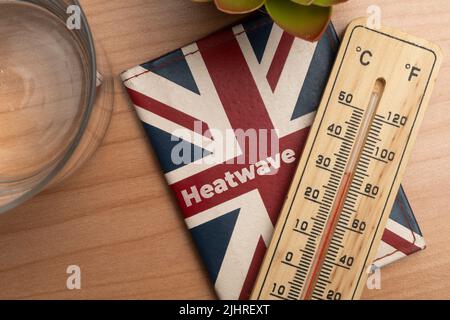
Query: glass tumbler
{"type": "Point", "coordinates": [56, 95]}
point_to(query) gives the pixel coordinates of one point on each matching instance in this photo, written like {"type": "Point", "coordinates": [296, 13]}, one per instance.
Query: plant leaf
{"type": "Point", "coordinates": [306, 22]}
{"type": "Point", "coordinates": [327, 3]}
{"type": "Point", "coordinates": [238, 6]}
{"type": "Point", "coordinates": [303, 2]}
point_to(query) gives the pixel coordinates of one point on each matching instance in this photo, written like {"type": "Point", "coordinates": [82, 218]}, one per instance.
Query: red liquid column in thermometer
{"type": "Point", "coordinates": [341, 195]}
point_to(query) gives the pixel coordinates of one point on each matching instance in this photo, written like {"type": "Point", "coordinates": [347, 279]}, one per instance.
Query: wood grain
{"type": "Point", "coordinates": [116, 219]}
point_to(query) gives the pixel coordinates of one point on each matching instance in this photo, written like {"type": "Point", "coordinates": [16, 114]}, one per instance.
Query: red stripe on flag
{"type": "Point", "coordinates": [167, 112]}
{"type": "Point", "coordinates": [279, 60]}
{"type": "Point", "coordinates": [250, 279]}
{"type": "Point", "coordinates": [399, 243]}
{"type": "Point", "coordinates": [234, 82]}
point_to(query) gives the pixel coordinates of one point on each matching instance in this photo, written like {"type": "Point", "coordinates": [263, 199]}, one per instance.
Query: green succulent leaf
{"type": "Point", "coordinates": [327, 3]}
{"type": "Point", "coordinates": [239, 6]}
{"type": "Point", "coordinates": [306, 22]}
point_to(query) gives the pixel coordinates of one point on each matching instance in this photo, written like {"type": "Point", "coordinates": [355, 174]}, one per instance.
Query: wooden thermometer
{"type": "Point", "coordinates": [336, 210]}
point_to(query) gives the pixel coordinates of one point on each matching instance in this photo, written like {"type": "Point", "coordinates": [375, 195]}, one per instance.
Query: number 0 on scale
{"type": "Point", "coordinates": [344, 188]}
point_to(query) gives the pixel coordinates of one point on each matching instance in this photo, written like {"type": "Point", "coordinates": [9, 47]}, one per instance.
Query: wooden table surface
{"type": "Point", "coordinates": [116, 219]}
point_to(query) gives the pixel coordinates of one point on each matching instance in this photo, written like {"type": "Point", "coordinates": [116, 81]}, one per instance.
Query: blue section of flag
{"type": "Point", "coordinates": [173, 67]}
{"type": "Point", "coordinates": [258, 32]}
{"type": "Point", "coordinates": [402, 213]}
{"type": "Point", "coordinates": [164, 146]}
{"type": "Point", "coordinates": [212, 239]}
{"type": "Point", "coordinates": [318, 72]}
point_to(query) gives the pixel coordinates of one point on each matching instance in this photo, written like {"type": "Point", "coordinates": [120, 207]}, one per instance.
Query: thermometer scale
{"type": "Point", "coordinates": [336, 210]}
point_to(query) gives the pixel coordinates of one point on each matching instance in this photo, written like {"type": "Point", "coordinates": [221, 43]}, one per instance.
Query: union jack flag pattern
{"type": "Point", "coordinates": [251, 76]}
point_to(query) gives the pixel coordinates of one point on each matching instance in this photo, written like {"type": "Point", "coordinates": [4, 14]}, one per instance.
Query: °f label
{"type": "Point", "coordinates": [352, 165]}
